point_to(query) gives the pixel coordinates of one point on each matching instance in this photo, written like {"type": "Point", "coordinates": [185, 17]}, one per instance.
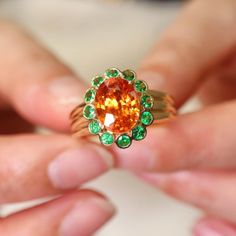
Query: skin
{"type": "Point", "coordinates": [33, 165]}
{"type": "Point", "coordinates": [194, 155]}
{"type": "Point", "coordinates": [192, 158]}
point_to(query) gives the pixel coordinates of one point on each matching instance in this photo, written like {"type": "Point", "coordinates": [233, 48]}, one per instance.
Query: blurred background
{"type": "Point", "coordinates": [90, 36]}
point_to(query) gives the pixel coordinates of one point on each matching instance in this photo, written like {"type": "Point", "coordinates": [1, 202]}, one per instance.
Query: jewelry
{"type": "Point", "coordinates": [118, 107]}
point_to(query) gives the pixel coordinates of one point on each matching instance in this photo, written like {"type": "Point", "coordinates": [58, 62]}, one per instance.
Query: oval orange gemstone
{"type": "Point", "coordinates": [117, 105]}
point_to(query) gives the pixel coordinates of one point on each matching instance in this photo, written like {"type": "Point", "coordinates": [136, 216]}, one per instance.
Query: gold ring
{"type": "Point", "coordinates": [118, 108]}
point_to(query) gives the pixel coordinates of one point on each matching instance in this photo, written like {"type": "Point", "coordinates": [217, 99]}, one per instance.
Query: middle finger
{"type": "Point", "coordinates": [34, 166]}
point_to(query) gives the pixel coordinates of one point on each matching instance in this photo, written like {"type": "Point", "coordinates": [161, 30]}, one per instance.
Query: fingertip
{"type": "Point", "coordinates": [147, 155]}
{"type": "Point", "coordinates": [156, 80]}
{"type": "Point", "coordinates": [74, 167]}
{"type": "Point", "coordinates": [76, 213]}
{"type": "Point", "coordinates": [136, 158]}
{"type": "Point", "coordinates": [86, 217]}
{"type": "Point", "coordinates": [49, 103]}
{"type": "Point", "coordinates": [213, 227]}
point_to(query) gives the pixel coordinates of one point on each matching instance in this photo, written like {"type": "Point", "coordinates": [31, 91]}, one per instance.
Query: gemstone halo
{"type": "Point", "coordinates": [118, 107]}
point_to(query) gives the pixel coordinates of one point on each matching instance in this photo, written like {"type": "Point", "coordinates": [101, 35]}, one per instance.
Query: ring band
{"type": "Point", "coordinates": [118, 108]}
{"type": "Point", "coordinates": [162, 111]}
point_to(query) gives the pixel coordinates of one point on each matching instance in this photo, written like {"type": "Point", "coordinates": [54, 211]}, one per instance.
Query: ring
{"type": "Point", "coordinates": [118, 108]}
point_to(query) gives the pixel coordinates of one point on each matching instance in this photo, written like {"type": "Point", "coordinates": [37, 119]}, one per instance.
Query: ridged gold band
{"type": "Point", "coordinates": [163, 109]}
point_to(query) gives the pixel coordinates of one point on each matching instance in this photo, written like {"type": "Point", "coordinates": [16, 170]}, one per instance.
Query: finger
{"type": "Point", "coordinates": [191, 48]}
{"type": "Point", "coordinates": [79, 213]}
{"type": "Point", "coordinates": [211, 226]}
{"type": "Point", "coordinates": [221, 86]}
{"type": "Point", "coordinates": [199, 140]}
{"type": "Point", "coordinates": [212, 191]}
{"type": "Point", "coordinates": [40, 87]}
{"type": "Point", "coordinates": [37, 166]}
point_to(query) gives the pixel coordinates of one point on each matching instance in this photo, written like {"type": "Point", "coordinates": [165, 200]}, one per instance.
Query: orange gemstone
{"type": "Point", "coordinates": [117, 105]}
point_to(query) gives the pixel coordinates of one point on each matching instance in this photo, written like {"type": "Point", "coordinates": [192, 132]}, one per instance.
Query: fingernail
{"type": "Point", "coordinates": [74, 167]}
{"type": "Point", "coordinates": [154, 79]}
{"type": "Point", "coordinates": [67, 90]}
{"type": "Point", "coordinates": [86, 217]}
{"type": "Point", "coordinates": [136, 158]}
{"type": "Point", "coordinates": [214, 227]}
{"type": "Point", "coordinates": [207, 230]}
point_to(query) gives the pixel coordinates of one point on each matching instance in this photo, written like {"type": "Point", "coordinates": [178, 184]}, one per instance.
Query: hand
{"type": "Point", "coordinates": [37, 89]}
{"type": "Point", "coordinates": [196, 56]}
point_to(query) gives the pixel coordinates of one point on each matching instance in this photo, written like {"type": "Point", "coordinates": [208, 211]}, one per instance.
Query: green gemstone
{"type": "Point", "coordinates": [97, 81]}
{"type": "Point", "coordinates": [112, 73]}
{"type": "Point", "coordinates": [107, 138]}
{"type": "Point", "coordinates": [147, 118]}
{"type": "Point", "coordinates": [147, 101]}
{"type": "Point", "coordinates": [140, 86]}
{"type": "Point", "coordinates": [124, 141]}
{"type": "Point", "coordinates": [89, 95]}
{"type": "Point", "coordinates": [89, 112]}
{"type": "Point", "coordinates": [94, 127]}
{"type": "Point", "coordinates": [139, 132]}
{"type": "Point", "coordinates": [129, 75]}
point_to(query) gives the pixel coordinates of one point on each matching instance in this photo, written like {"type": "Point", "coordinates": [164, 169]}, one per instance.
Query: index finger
{"type": "Point", "coordinates": [38, 85]}
{"type": "Point", "coordinates": [192, 46]}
